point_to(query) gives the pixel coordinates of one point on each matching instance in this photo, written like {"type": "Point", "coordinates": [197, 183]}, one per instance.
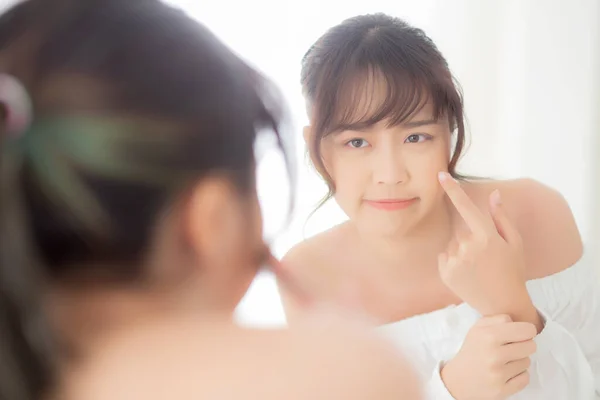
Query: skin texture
{"type": "Point", "coordinates": [318, 360]}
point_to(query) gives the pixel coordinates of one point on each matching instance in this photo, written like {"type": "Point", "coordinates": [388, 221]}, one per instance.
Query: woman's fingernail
{"type": "Point", "coordinates": [443, 176]}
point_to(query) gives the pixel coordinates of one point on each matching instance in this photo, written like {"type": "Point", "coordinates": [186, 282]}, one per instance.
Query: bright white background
{"type": "Point", "coordinates": [530, 70]}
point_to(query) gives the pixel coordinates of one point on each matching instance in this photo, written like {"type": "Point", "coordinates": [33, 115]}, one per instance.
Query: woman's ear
{"type": "Point", "coordinates": [213, 219]}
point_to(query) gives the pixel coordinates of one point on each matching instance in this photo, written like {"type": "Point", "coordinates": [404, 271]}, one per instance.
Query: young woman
{"type": "Point", "coordinates": [428, 252]}
{"type": "Point", "coordinates": [129, 223]}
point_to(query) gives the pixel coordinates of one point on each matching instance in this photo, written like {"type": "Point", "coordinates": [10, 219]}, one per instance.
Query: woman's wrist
{"type": "Point", "coordinates": [533, 316]}
{"type": "Point", "coordinates": [522, 309]}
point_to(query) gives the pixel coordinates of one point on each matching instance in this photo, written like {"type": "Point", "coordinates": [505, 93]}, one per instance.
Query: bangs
{"type": "Point", "coordinates": [365, 92]}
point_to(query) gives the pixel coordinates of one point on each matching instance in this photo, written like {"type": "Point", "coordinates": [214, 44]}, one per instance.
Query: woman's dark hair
{"type": "Point", "coordinates": [133, 103]}
{"type": "Point", "coordinates": [363, 51]}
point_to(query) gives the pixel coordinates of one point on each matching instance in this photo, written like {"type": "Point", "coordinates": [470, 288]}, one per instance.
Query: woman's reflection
{"type": "Point", "coordinates": [468, 275]}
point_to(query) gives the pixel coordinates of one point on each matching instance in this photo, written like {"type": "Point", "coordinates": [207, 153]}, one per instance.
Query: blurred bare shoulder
{"type": "Point", "coordinates": [316, 360]}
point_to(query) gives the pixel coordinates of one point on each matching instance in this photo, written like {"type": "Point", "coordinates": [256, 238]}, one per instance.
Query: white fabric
{"type": "Point", "coordinates": [566, 365]}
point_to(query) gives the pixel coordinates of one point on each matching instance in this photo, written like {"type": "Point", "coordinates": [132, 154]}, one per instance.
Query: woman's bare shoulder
{"type": "Point", "coordinates": [551, 238]}
{"type": "Point", "coordinates": [314, 360]}
{"type": "Point", "coordinates": [317, 264]}
{"type": "Point", "coordinates": [319, 248]}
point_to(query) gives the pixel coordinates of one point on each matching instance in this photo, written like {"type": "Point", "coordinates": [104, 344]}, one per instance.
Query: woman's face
{"type": "Point", "coordinates": [386, 176]}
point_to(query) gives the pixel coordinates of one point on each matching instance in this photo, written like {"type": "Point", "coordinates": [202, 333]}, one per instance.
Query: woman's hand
{"type": "Point", "coordinates": [493, 361]}
{"type": "Point", "coordinates": [486, 267]}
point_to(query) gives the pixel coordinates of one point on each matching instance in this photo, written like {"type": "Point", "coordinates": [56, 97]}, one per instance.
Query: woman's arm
{"type": "Point", "coordinates": [557, 370]}
{"type": "Point", "coordinates": [489, 272]}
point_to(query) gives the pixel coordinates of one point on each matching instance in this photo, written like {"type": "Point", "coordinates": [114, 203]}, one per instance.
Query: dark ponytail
{"type": "Point", "coordinates": [26, 350]}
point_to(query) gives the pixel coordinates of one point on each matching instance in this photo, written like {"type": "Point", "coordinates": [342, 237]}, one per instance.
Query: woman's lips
{"type": "Point", "coordinates": [391, 204]}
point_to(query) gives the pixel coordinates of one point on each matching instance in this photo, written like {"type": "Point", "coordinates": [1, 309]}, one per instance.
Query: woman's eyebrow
{"type": "Point", "coordinates": [419, 123]}
{"type": "Point", "coordinates": [356, 127]}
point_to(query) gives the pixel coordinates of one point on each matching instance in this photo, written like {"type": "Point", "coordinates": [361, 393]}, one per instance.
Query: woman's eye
{"type": "Point", "coordinates": [357, 143]}
{"type": "Point", "coordinates": [417, 138]}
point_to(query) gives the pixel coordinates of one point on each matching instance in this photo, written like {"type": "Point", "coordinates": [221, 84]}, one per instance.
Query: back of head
{"type": "Point", "coordinates": [343, 68]}
{"type": "Point", "coordinates": [132, 102]}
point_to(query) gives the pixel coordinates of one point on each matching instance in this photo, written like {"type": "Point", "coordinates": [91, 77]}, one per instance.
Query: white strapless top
{"type": "Point", "coordinates": [566, 365]}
